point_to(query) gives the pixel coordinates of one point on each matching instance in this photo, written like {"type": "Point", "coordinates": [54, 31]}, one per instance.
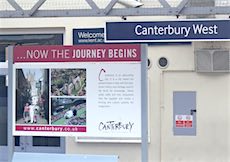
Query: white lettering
{"type": "Point", "coordinates": [201, 29]}
{"type": "Point", "coordinates": [162, 30]}
{"type": "Point", "coordinates": [122, 53]}
{"type": "Point", "coordinates": [186, 31]}
{"type": "Point", "coordinates": [37, 54]}
{"type": "Point", "coordinates": [137, 30]}
{"type": "Point", "coordinates": [89, 53]}
{"type": "Point", "coordinates": [90, 35]}
{"type": "Point", "coordinates": [60, 53]}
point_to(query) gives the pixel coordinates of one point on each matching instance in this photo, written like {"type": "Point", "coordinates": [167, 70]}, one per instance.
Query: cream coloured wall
{"type": "Point", "coordinates": [212, 136]}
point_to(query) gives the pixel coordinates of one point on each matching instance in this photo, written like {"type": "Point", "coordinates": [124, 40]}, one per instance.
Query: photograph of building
{"type": "Point", "coordinates": [32, 95]}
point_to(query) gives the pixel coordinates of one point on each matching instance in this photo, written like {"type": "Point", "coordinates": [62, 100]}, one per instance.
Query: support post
{"type": "Point", "coordinates": [144, 105]}
{"type": "Point", "coordinates": [10, 138]}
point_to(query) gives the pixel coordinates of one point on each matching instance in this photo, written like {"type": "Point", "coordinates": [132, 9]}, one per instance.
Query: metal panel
{"type": "Point", "coordinates": [112, 9]}
{"type": "Point", "coordinates": [144, 104]}
{"type": "Point", "coordinates": [221, 60]}
{"type": "Point", "coordinates": [39, 157]}
{"type": "Point", "coordinates": [10, 139]}
{"type": "Point", "coordinates": [184, 107]}
{"type": "Point", "coordinates": [203, 61]}
{"type": "Point", "coordinates": [212, 60]}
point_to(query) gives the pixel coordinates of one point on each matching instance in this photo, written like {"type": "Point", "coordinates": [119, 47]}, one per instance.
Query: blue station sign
{"type": "Point", "coordinates": [88, 36]}
{"type": "Point", "coordinates": [161, 31]}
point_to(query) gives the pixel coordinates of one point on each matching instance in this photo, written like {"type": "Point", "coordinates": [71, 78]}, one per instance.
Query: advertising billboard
{"type": "Point", "coordinates": [86, 90]}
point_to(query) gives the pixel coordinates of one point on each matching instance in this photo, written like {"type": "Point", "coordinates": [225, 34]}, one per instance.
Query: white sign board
{"type": "Point", "coordinates": [85, 90]}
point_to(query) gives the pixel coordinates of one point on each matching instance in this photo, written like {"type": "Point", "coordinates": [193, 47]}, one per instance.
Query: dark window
{"type": "Point", "coordinates": [3, 111]}
{"type": "Point", "coordinates": [28, 39]}
{"type": "Point", "coordinates": [24, 39]}
{"type": "Point", "coordinates": [46, 141]}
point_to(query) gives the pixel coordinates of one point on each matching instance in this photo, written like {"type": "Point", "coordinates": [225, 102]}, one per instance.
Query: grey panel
{"type": "Point", "coordinates": [221, 60]}
{"type": "Point", "coordinates": [184, 103]}
{"type": "Point", "coordinates": [203, 61]}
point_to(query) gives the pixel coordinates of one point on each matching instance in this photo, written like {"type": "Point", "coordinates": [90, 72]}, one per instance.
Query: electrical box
{"type": "Point", "coordinates": [184, 113]}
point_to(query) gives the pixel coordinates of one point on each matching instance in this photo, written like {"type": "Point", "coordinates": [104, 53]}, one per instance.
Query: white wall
{"type": "Point", "coordinates": [212, 141]}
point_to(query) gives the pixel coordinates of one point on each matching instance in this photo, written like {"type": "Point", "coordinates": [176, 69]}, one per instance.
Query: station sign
{"type": "Point", "coordinates": [88, 36]}
{"type": "Point", "coordinates": [82, 90]}
{"type": "Point", "coordinates": [168, 31]}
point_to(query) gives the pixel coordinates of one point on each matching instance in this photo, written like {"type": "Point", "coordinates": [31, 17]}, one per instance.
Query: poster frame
{"type": "Point", "coordinates": [143, 83]}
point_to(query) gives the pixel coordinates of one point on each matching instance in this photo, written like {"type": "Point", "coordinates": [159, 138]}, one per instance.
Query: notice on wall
{"type": "Point", "coordinates": [84, 90]}
{"type": "Point", "coordinates": [184, 121]}
{"type": "Point", "coordinates": [88, 36]}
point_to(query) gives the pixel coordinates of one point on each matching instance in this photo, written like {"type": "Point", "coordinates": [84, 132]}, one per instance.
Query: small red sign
{"type": "Point", "coordinates": [184, 121]}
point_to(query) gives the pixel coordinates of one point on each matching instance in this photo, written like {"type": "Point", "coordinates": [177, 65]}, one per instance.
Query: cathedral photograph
{"type": "Point", "coordinates": [32, 95]}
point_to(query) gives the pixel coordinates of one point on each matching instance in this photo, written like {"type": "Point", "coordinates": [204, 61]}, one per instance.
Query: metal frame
{"type": "Point", "coordinates": [183, 9]}
{"type": "Point", "coordinates": [10, 139]}
{"type": "Point", "coordinates": [144, 104]}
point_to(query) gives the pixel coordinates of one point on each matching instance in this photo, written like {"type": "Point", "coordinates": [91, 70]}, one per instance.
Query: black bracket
{"type": "Point", "coordinates": [192, 111]}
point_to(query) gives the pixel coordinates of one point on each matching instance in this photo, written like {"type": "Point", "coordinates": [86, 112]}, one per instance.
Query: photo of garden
{"type": "Point", "coordinates": [68, 82]}
{"type": "Point", "coordinates": [68, 111]}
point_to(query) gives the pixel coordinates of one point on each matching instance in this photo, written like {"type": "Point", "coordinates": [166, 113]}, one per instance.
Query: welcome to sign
{"type": "Point", "coordinates": [186, 30]}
